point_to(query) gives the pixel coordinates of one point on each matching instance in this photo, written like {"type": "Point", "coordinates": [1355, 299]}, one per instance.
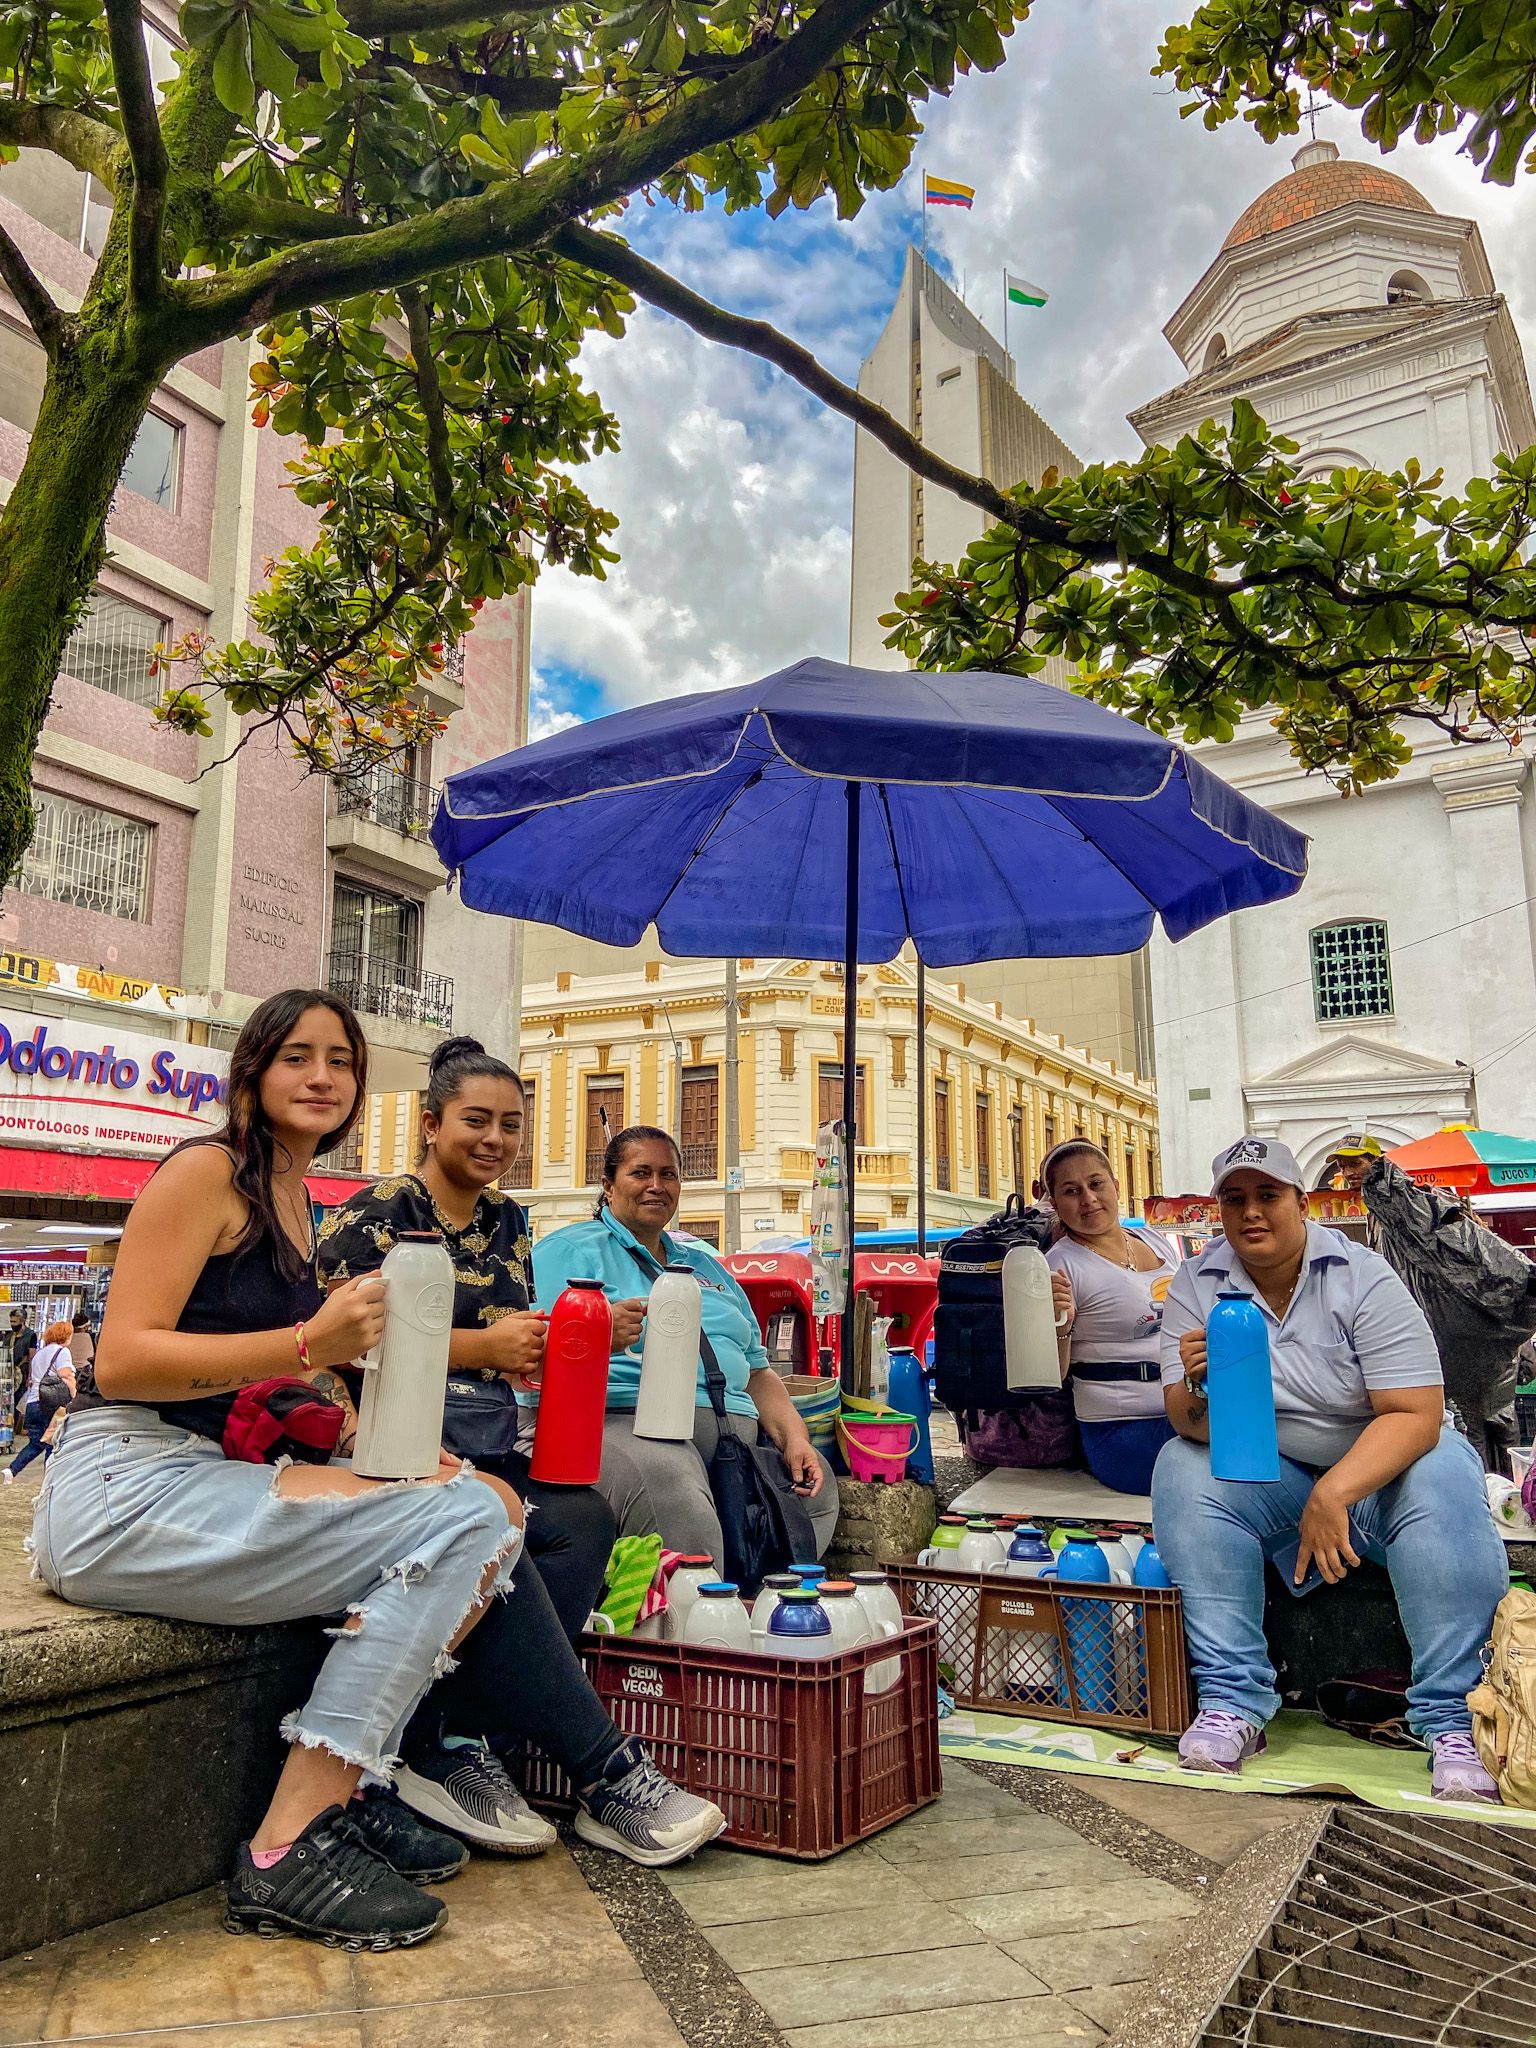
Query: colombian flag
{"type": "Point", "coordinates": [945, 192]}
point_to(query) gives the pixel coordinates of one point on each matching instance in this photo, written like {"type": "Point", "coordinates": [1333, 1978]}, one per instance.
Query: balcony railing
{"type": "Point", "coordinates": [397, 802]}
{"type": "Point", "coordinates": [518, 1175]}
{"type": "Point", "coordinates": [941, 1172]}
{"type": "Point", "coordinates": [594, 1167]}
{"type": "Point", "coordinates": [701, 1162]}
{"type": "Point", "coordinates": [381, 988]}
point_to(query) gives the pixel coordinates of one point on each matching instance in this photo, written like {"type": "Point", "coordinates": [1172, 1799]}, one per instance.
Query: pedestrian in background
{"type": "Point", "coordinates": [82, 1349]}
{"type": "Point", "coordinates": [50, 1387]}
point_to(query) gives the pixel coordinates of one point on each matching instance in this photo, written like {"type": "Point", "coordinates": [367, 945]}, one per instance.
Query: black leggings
{"type": "Point", "coordinates": [518, 1680]}
{"type": "Point", "coordinates": [570, 1536]}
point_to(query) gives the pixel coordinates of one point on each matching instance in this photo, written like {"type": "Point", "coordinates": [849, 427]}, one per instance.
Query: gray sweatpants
{"type": "Point", "coordinates": [656, 1486]}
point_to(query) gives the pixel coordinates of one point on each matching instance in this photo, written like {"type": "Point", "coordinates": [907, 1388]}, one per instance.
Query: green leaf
{"type": "Point", "coordinates": [234, 79]}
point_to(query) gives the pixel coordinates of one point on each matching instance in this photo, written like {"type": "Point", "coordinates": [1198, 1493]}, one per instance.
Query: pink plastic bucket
{"type": "Point", "coordinates": [877, 1446]}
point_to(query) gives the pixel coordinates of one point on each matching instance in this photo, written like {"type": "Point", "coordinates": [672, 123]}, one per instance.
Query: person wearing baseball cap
{"type": "Point", "coordinates": [1369, 1466]}
{"type": "Point", "coordinates": [1352, 1158]}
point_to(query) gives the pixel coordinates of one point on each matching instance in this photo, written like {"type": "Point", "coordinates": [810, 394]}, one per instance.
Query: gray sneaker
{"type": "Point", "coordinates": [636, 1812]}
{"type": "Point", "coordinates": [465, 1788]}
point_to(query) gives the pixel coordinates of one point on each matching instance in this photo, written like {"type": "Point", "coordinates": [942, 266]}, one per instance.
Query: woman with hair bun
{"type": "Point", "coordinates": [1111, 1280]}
{"type": "Point", "coordinates": [471, 1133]}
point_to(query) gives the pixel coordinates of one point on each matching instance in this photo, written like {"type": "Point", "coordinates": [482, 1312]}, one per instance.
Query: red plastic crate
{"type": "Point", "coordinates": [1007, 1643]}
{"type": "Point", "coordinates": [799, 1758]}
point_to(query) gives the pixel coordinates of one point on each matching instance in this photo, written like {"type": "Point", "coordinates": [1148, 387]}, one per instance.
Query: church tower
{"type": "Point", "coordinates": [1398, 989]}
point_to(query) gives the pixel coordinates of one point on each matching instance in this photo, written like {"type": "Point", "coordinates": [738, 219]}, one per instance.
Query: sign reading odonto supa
{"type": "Point", "coordinates": [88, 1088]}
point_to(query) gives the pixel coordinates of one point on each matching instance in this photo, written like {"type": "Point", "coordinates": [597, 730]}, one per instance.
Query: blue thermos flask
{"type": "Point", "coordinates": [1240, 1390]}
{"type": "Point", "coordinates": [1149, 1569]}
{"type": "Point", "coordinates": [1089, 1624]}
{"type": "Point", "coordinates": [908, 1395]}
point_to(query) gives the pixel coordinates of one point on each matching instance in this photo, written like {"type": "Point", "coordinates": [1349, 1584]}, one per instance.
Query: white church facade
{"type": "Point", "coordinates": [1397, 990]}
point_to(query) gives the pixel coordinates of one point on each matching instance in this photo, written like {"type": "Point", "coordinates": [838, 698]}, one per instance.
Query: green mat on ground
{"type": "Point", "coordinates": [1304, 1756]}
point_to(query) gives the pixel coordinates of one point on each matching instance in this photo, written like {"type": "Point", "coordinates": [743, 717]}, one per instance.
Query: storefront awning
{"type": "Point", "coordinates": [107, 1177]}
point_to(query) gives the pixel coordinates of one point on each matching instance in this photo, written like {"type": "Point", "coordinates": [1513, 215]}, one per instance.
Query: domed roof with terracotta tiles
{"type": "Point", "coordinates": [1321, 181]}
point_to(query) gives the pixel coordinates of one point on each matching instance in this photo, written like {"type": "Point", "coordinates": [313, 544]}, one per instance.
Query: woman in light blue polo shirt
{"type": "Point", "coordinates": [652, 1485]}
{"type": "Point", "coordinates": [1369, 1466]}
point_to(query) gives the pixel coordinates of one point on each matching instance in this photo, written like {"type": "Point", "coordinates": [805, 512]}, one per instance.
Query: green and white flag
{"type": "Point", "coordinates": [1022, 293]}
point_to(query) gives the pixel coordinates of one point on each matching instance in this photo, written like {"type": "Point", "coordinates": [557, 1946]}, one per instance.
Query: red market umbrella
{"type": "Point", "coordinates": [1469, 1161]}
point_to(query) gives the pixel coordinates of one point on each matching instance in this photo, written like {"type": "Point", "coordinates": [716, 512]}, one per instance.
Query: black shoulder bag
{"type": "Point", "coordinates": [763, 1520]}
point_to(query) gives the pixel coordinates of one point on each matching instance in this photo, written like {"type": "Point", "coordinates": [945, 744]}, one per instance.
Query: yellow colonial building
{"type": "Point", "coordinates": [648, 1045]}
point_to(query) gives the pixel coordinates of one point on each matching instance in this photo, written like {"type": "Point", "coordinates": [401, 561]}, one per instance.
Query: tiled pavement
{"type": "Point", "coordinates": [528, 1956]}
{"type": "Point", "coordinates": [978, 1920]}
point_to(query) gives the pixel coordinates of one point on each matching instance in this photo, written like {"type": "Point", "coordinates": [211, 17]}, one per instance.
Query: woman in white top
{"type": "Point", "coordinates": [1116, 1279]}
{"type": "Point", "coordinates": [52, 1355]}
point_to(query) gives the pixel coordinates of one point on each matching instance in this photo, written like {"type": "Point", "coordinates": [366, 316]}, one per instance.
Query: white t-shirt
{"type": "Point", "coordinates": [1118, 1322]}
{"type": "Point", "coordinates": [46, 1358]}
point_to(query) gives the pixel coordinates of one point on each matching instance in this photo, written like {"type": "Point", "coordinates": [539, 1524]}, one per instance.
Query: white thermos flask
{"type": "Point", "coordinates": [669, 1363]}
{"type": "Point", "coordinates": [1029, 1320]}
{"type": "Point", "coordinates": [405, 1379]}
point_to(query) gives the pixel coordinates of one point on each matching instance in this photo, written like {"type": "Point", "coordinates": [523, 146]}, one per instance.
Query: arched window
{"type": "Point", "coordinates": [1351, 971]}
{"type": "Point", "coordinates": [1215, 351]}
{"type": "Point", "coordinates": [1319, 463]}
{"type": "Point", "coordinates": [1407, 288]}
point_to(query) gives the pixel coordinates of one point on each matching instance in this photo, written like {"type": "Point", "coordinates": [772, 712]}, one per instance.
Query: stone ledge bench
{"type": "Point", "coordinates": [135, 1753]}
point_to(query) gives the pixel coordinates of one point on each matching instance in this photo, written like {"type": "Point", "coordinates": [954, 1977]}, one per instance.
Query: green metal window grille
{"type": "Point", "coordinates": [1351, 972]}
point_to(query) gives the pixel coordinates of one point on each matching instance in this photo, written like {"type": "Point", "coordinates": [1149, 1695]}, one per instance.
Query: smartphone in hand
{"type": "Point", "coordinates": [1284, 1562]}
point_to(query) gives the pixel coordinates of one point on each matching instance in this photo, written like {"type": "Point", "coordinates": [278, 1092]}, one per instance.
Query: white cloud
{"type": "Point", "coordinates": [545, 716]}
{"type": "Point", "coordinates": [734, 487]}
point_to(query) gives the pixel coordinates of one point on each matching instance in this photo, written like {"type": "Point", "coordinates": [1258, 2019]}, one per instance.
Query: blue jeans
{"type": "Point", "coordinates": [1121, 1455]}
{"type": "Point", "coordinates": [1430, 1527]}
{"type": "Point", "coordinates": [36, 1422]}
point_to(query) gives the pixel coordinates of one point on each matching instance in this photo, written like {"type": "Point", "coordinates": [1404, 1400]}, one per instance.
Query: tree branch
{"type": "Point", "coordinates": [31, 294]}
{"type": "Point", "coordinates": [512, 95]}
{"type": "Point", "coordinates": [276, 220]}
{"type": "Point", "coordinates": [610, 257]}
{"type": "Point", "coordinates": [88, 144]}
{"type": "Point", "coordinates": [375, 18]}
{"type": "Point", "coordinates": [146, 146]}
{"type": "Point", "coordinates": [520, 212]}
{"type": "Point", "coordinates": [430, 391]}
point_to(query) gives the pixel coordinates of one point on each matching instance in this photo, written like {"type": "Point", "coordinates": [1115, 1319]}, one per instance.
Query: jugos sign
{"type": "Point", "coordinates": [77, 1087]}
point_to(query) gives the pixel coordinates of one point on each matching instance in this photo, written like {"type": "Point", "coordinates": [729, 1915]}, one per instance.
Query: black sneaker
{"type": "Point", "coordinates": [466, 1788]}
{"type": "Point", "coordinates": [412, 1849]}
{"type": "Point", "coordinates": [331, 1886]}
{"type": "Point", "coordinates": [636, 1812]}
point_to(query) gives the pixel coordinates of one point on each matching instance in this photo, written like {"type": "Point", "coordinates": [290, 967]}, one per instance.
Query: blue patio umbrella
{"type": "Point", "coordinates": [835, 813]}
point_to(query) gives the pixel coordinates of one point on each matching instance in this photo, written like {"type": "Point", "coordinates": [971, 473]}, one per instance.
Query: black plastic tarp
{"type": "Point", "coordinates": [1477, 1292]}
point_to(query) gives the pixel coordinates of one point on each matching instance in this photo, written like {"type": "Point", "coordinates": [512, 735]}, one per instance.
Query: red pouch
{"type": "Point", "coordinates": [282, 1418]}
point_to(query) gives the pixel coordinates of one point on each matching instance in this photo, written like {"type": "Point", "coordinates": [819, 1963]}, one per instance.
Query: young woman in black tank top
{"type": "Point", "coordinates": [214, 1290]}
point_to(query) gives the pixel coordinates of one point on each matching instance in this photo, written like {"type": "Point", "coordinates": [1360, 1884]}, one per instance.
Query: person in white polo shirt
{"type": "Point", "coordinates": [1369, 1466]}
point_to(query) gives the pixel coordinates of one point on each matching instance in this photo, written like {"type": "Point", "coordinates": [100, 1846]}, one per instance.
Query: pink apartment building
{"type": "Point", "coordinates": [170, 894]}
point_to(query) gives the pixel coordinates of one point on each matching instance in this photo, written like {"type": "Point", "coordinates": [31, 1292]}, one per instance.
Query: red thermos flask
{"type": "Point", "coordinates": [573, 1394]}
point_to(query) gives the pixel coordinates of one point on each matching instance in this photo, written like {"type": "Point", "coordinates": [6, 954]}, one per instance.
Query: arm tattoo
{"type": "Point", "coordinates": [332, 1387]}
{"type": "Point", "coordinates": [211, 1386]}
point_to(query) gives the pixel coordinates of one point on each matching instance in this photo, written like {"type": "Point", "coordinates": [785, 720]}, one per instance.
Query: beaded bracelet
{"type": "Point", "coordinates": [302, 1342]}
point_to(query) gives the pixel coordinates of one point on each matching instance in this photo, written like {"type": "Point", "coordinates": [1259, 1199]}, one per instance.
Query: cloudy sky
{"type": "Point", "coordinates": [733, 487]}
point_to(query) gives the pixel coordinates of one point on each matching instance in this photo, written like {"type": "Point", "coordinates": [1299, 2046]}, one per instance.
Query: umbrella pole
{"type": "Point", "coordinates": [922, 1109]}
{"type": "Point", "coordinates": [850, 1068]}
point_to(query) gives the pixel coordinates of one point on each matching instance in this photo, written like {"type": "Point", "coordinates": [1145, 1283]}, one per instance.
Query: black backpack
{"type": "Point", "coordinates": [969, 1357]}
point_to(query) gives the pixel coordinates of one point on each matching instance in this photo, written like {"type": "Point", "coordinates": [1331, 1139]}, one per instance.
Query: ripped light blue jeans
{"type": "Point", "coordinates": [144, 1518]}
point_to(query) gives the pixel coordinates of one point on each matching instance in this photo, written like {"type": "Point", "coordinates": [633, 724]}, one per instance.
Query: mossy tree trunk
{"type": "Point", "coordinates": [53, 536]}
